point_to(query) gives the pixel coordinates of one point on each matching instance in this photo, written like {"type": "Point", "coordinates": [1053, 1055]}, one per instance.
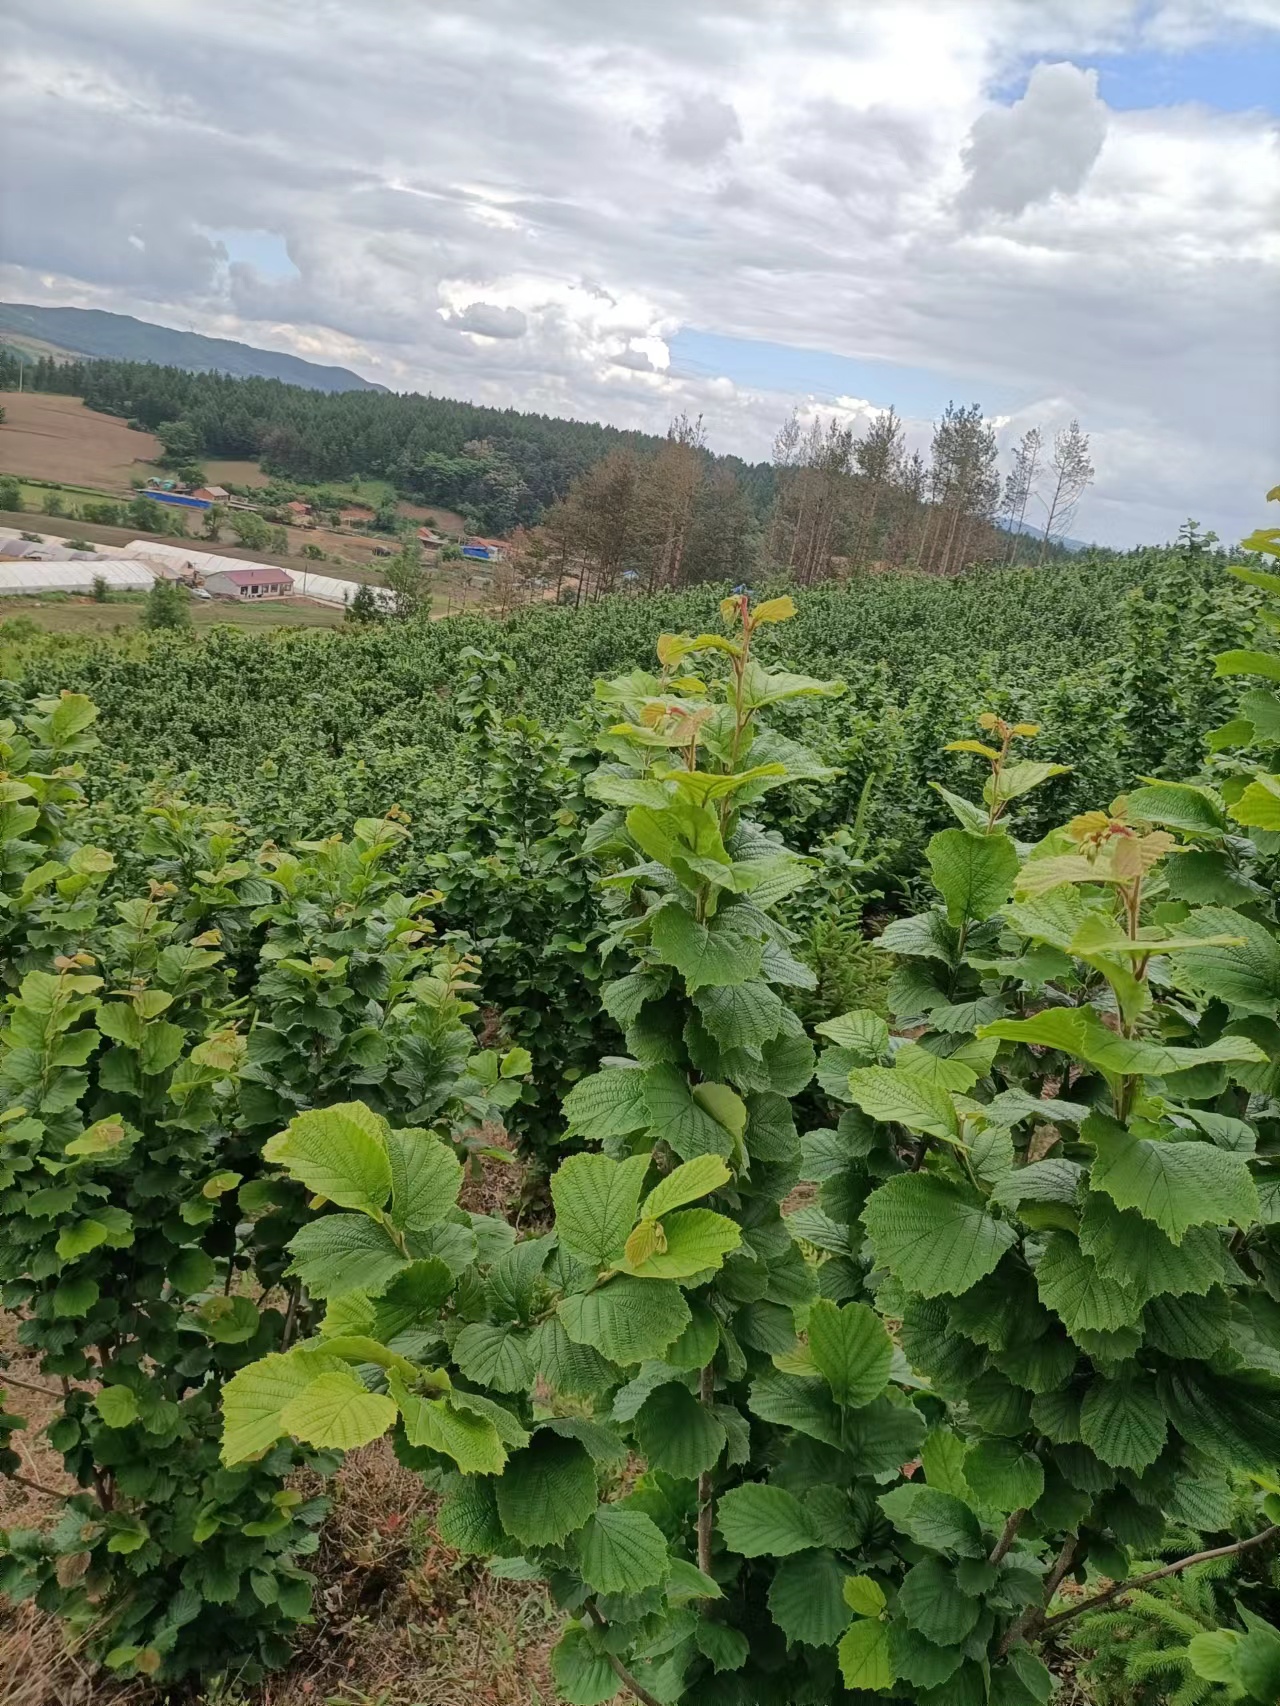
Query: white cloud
{"type": "Point", "coordinates": [523, 204]}
{"type": "Point", "coordinates": [487, 320]}
{"type": "Point", "coordinates": [1044, 144]}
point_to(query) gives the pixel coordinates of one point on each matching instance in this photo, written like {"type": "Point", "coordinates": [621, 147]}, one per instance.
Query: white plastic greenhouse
{"type": "Point", "coordinates": [134, 566]}
{"type": "Point", "coordinates": [34, 577]}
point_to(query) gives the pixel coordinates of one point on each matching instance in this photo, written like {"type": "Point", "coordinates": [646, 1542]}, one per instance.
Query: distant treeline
{"type": "Point", "coordinates": [612, 506]}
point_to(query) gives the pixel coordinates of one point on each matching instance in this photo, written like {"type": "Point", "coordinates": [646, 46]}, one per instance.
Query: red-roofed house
{"type": "Point", "coordinates": [298, 511]}
{"type": "Point", "coordinates": [259, 582]}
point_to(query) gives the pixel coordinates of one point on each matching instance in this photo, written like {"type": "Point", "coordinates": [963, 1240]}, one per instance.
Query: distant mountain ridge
{"type": "Point", "coordinates": [119, 337]}
{"type": "Point", "coordinates": [1030, 531]}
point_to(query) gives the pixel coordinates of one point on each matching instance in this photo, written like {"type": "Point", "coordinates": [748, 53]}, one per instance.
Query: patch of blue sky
{"type": "Point", "coordinates": [1240, 73]}
{"type": "Point", "coordinates": [758, 365]}
{"type": "Point", "coordinates": [264, 250]}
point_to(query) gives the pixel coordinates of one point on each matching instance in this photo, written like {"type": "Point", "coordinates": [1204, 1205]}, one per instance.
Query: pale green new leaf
{"type": "Point", "coordinates": [338, 1410]}
{"type": "Point", "coordinates": [254, 1399]}
{"type": "Point", "coordinates": [1080, 1032]}
{"type": "Point", "coordinates": [697, 1239]}
{"type": "Point", "coordinates": [1020, 778]}
{"type": "Point", "coordinates": [339, 1153]}
{"type": "Point", "coordinates": [685, 1184]}
{"type": "Point", "coordinates": [864, 1656]}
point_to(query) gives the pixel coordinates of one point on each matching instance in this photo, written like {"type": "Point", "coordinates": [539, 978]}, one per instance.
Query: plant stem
{"type": "Point", "coordinates": [1118, 1588]}
{"type": "Point", "coordinates": [1008, 1537]}
{"type": "Point", "coordinates": [620, 1670]}
{"type": "Point", "coordinates": [706, 1489]}
{"type": "Point", "coordinates": [290, 1318]}
{"type": "Point", "coordinates": [1032, 1619]}
{"type": "Point", "coordinates": [36, 1486]}
{"type": "Point", "coordinates": [9, 1379]}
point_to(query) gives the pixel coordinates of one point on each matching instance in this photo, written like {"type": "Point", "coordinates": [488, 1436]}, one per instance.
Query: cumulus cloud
{"type": "Point", "coordinates": [581, 179]}
{"type": "Point", "coordinates": [487, 320]}
{"type": "Point", "coordinates": [698, 129]}
{"type": "Point", "coordinates": [1044, 144]}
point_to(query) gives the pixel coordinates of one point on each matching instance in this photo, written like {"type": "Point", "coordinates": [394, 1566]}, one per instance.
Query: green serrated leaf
{"type": "Point", "coordinates": [759, 1521]}
{"type": "Point", "coordinates": [886, 1093]}
{"type": "Point", "coordinates": [1175, 1185]}
{"type": "Point", "coordinates": [628, 1320]}
{"type": "Point", "coordinates": [1082, 1297]}
{"type": "Point", "coordinates": [851, 1350]}
{"type": "Point", "coordinates": [547, 1490]}
{"type": "Point", "coordinates": [1002, 1478]}
{"type": "Point", "coordinates": [934, 1603]}
{"type": "Point", "coordinates": [932, 1236]}
{"type": "Point", "coordinates": [677, 1434]}
{"type": "Point", "coordinates": [972, 872]}
{"type": "Point", "coordinates": [339, 1153]}
{"type": "Point", "coordinates": [1123, 1421]}
{"type": "Point", "coordinates": [806, 1598]}
{"type": "Point", "coordinates": [622, 1551]}
{"type": "Point", "coordinates": [712, 953]}
{"type": "Point", "coordinates": [596, 1202]}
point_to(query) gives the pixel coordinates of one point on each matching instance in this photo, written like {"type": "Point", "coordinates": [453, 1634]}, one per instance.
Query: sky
{"type": "Point", "coordinates": [1053, 208]}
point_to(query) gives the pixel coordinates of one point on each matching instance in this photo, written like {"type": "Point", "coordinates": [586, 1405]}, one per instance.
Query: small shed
{"type": "Point", "coordinates": [212, 494]}
{"type": "Point", "coordinates": [258, 582]}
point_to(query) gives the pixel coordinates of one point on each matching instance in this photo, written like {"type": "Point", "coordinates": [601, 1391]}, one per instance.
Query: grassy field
{"type": "Point", "coordinates": [229, 471]}
{"type": "Point", "coordinates": [124, 612]}
{"type": "Point", "coordinates": [46, 437]}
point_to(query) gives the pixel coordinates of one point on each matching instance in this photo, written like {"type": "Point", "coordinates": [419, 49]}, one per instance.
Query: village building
{"type": "Point", "coordinates": [257, 582]}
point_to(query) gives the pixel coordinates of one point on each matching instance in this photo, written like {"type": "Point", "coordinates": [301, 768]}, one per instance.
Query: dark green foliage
{"type": "Point", "coordinates": [167, 605]}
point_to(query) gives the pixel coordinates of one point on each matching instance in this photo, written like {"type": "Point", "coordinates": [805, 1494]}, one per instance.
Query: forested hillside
{"type": "Point", "coordinates": [601, 508]}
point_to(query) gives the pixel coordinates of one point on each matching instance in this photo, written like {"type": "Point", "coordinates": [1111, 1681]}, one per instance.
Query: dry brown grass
{"type": "Point", "coordinates": [48, 437]}
{"type": "Point", "coordinates": [402, 1621]}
